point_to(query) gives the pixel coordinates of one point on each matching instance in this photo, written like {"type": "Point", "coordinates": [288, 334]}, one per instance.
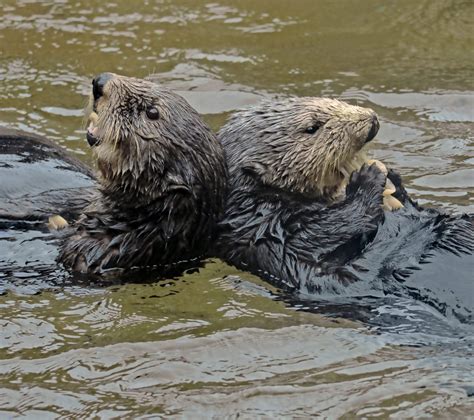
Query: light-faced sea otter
{"type": "Point", "coordinates": [291, 219]}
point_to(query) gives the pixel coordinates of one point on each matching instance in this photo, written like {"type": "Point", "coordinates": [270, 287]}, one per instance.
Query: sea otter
{"type": "Point", "coordinates": [160, 187]}
{"type": "Point", "coordinates": [288, 217]}
{"type": "Point", "coordinates": [291, 219]}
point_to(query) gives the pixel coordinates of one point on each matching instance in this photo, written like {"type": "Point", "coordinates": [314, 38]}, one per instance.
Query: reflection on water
{"type": "Point", "coordinates": [220, 342]}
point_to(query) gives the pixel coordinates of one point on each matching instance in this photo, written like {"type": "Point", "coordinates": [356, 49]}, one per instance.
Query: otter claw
{"type": "Point", "coordinates": [389, 188]}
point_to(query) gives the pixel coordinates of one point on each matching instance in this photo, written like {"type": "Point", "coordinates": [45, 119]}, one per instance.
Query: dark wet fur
{"type": "Point", "coordinates": [153, 207]}
{"type": "Point", "coordinates": [310, 247]}
{"type": "Point", "coordinates": [37, 179]}
{"type": "Point", "coordinates": [313, 247]}
{"type": "Point", "coordinates": [161, 186]}
{"type": "Point", "coordinates": [23, 198]}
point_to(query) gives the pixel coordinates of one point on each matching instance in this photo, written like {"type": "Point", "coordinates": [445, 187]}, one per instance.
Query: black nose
{"type": "Point", "coordinates": [374, 129]}
{"type": "Point", "coordinates": [98, 84]}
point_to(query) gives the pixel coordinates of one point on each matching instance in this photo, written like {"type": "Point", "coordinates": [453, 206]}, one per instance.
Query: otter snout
{"type": "Point", "coordinates": [374, 129]}
{"type": "Point", "coordinates": [98, 84]}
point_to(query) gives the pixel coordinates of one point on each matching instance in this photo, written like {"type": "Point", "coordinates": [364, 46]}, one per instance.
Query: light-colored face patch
{"type": "Point", "coordinates": [131, 127]}
{"type": "Point", "coordinates": [141, 133]}
{"type": "Point", "coordinates": [307, 145]}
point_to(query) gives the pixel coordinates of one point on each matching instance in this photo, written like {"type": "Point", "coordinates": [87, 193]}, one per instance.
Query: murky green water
{"type": "Point", "coordinates": [217, 343]}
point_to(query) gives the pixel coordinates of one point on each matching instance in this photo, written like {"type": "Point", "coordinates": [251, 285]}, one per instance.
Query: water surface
{"type": "Point", "coordinates": [221, 342]}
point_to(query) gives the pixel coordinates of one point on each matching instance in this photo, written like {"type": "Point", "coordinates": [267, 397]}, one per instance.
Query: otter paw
{"type": "Point", "coordinates": [401, 193]}
{"type": "Point", "coordinates": [390, 202]}
{"type": "Point", "coordinates": [369, 178]}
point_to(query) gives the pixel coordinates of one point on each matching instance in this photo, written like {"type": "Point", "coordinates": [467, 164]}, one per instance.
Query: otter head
{"type": "Point", "coordinates": [306, 145]}
{"type": "Point", "coordinates": [149, 141]}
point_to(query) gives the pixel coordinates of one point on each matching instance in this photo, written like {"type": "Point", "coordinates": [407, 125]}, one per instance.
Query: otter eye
{"type": "Point", "coordinates": [152, 113]}
{"type": "Point", "coordinates": [312, 129]}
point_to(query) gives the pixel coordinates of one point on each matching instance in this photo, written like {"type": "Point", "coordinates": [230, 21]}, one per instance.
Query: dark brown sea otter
{"type": "Point", "coordinates": [162, 177]}
{"type": "Point", "coordinates": [291, 219]}
{"type": "Point", "coordinates": [155, 202]}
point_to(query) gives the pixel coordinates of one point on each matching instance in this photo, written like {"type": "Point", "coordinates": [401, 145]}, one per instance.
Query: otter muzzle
{"type": "Point", "coordinates": [91, 139]}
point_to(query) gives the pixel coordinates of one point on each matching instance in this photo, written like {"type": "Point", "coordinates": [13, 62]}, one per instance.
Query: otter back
{"type": "Point", "coordinates": [37, 179]}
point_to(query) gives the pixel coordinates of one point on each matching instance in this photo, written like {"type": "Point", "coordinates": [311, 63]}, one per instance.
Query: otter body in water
{"type": "Point", "coordinates": [162, 177]}
{"type": "Point", "coordinates": [289, 217]}
{"type": "Point", "coordinates": [289, 220]}
{"type": "Point", "coordinates": [159, 190]}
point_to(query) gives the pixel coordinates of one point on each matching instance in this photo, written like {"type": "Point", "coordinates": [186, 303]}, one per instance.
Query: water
{"type": "Point", "coordinates": [221, 342]}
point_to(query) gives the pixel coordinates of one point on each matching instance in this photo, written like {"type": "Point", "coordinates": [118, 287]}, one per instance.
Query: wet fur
{"type": "Point", "coordinates": [284, 223]}
{"type": "Point", "coordinates": [261, 142]}
{"type": "Point", "coordinates": [161, 181]}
